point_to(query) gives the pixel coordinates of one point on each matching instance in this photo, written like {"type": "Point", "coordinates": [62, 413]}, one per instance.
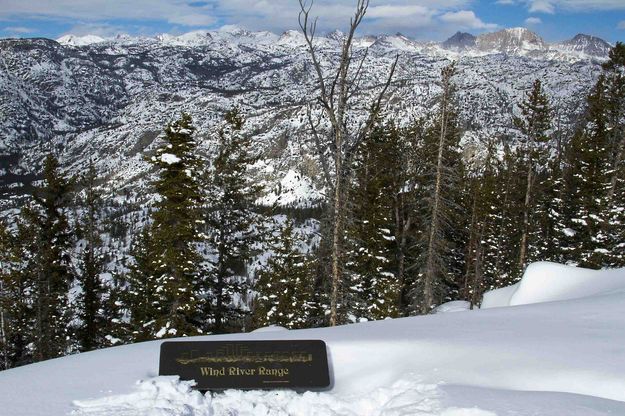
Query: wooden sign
{"type": "Point", "coordinates": [216, 365]}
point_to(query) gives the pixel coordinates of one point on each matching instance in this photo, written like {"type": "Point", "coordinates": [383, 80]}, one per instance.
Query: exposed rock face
{"type": "Point", "coordinates": [460, 41]}
{"type": "Point", "coordinates": [585, 45]}
{"type": "Point", "coordinates": [515, 41]}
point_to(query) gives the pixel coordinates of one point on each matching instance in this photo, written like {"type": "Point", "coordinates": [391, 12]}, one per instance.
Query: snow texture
{"type": "Point", "coordinates": [561, 357]}
{"type": "Point", "coordinates": [169, 158]}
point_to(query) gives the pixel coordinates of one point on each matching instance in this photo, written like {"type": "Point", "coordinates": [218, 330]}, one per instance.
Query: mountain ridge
{"type": "Point", "coordinates": [511, 41]}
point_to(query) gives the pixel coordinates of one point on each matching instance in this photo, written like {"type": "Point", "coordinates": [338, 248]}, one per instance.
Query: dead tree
{"type": "Point", "coordinates": [434, 263]}
{"type": "Point", "coordinates": [335, 97]}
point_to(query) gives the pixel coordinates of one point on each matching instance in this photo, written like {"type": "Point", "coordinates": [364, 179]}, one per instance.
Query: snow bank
{"type": "Point", "coordinates": [556, 358]}
{"type": "Point", "coordinates": [453, 306]}
{"type": "Point", "coordinates": [165, 396]}
{"type": "Point", "coordinates": [161, 396]}
{"type": "Point", "coordinates": [548, 282]}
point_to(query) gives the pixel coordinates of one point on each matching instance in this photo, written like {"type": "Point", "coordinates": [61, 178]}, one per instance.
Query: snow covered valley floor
{"type": "Point", "coordinates": [564, 357]}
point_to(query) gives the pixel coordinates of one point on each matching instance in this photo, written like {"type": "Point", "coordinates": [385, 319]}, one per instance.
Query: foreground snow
{"type": "Point", "coordinates": [562, 358]}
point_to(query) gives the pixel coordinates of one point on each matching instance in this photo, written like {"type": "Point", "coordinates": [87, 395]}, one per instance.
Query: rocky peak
{"type": "Point", "coordinates": [460, 41]}
{"type": "Point", "coordinates": [514, 41]}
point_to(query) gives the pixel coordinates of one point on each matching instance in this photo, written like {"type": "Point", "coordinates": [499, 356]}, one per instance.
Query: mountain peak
{"type": "Point", "coordinates": [74, 40]}
{"type": "Point", "coordinates": [460, 41]}
{"type": "Point", "coordinates": [585, 45]}
{"type": "Point", "coordinates": [513, 41]}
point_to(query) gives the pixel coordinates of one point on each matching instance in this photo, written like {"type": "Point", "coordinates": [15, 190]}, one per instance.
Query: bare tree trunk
{"type": "Point", "coordinates": [470, 253]}
{"type": "Point", "coordinates": [334, 100]}
{"type": "Point", "coordinates": [619, 159]}
{"type": "Point", "coordinates": [526, 212]}
{"type": "Point", "coordinates": [337, 240]}
{"type": "Point", "coordinates": [431, 267]}
{"type": "Point", "coordinates": [477, 273]}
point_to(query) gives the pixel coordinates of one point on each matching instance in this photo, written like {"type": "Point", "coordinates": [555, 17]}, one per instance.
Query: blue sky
{"type": "Point", "coordinates": [421, 19]}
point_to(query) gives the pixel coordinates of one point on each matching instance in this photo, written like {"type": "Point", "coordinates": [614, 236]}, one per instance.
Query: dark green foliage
{"type": "Point", "coordinates": [284, 288]}
{"type": "Point", "coordinates": [163, 283]}
{"type": "Point", "coordinates": [43, 277]}
{"type": "Point", "coordinates": [374, 286]}
{"type": "Point", "coordinates": [16, 312]}
{"type": "Point", "coordinates": [233, 227]}
{"type": "Point", "coordinates": [90, 300]}
{"type": "Point", "coordinates": [534, 125]}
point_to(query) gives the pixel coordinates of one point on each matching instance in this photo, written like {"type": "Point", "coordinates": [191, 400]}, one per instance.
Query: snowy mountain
{"type": "Point", "coordinates": [584, 45]}
{"type": "Point", "coordinates": [561, 356]}
{"type": "Point", "coordinates": [108, 99]}
{"type": "Point", "coordinates": [515, 41]}
{"type": "Point", "coordinates": [73, 40]}
{"type": "Point", "coordinates": [460, 41]}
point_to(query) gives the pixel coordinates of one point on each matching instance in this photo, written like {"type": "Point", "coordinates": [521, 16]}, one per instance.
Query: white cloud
{"type": "Point", "coordinates": [551, 6]}
{"type": "Point", "coordinates": [18, 29]}
{"type": "Point", "coordinates": [173, 11]}
{"type": "Point", "coordinates": [466, 19]}
{"type": "Point", "coordinates": [426, 19]}
{"type": "Point", "coordinates": [542, 6]}
{"type": "Point", "coordinates": [621, 24]}
{"type": "Point", "coordinates": [530, 21]}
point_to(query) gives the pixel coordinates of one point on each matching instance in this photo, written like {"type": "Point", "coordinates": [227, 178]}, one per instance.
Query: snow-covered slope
{"type": "Point", "coordinates": [108, 100]}
{"type": "Point", "coordinates": [550, 359]}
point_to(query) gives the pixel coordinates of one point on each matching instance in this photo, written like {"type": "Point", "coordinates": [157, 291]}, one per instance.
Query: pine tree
{"type": "Point", "coordinates": [588, 184]}
{"type": "Point", "coordinates": [140, 298]}
{"type": "Point", "coordinates": [233, 226]}
{"type": "Point", "coordinates": [534, 126]}
{"type": "Point", "coordinates": [90, 300]}
{"type": "Point", "coordinates": [47, 268]}
{"type": "Point", "coordinates": [614, 227]}
{"type": "Point", "coordinates": [163, 283]}
{"type": "Point", "coordinates": [371, 259]}
{"type": "Point", "coordinates": [284, 288]}
{"type": "Point", "coordinates": [13, 307]}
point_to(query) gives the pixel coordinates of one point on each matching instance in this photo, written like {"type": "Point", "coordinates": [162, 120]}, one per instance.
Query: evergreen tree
{"type": "Point", "coordinates": [46, 273]}
{"type": "Point", "coordinates": [284, 288]}
{"type": "Point", "coordinates": [163, 283]}
{"type": "Point", "coordinates": [371, 258]}
{"type": "Point", "coordinates": [140, 298]}
{"type": "Point", "coordinates": [15, 312]}
{"type": "Point", "coordinates": [588, 185]}
{"type": "Point", "coordinates": [90, 300]}
{"type": "Point", "coordinates": [614, 227]}
{"type": "Point", "coordinates": [234, 227]}
{"type": "Point", "coordinates": [534, 126]}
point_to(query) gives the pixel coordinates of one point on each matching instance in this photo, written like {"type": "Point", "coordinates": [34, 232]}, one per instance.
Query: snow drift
{"type": "Point", "coordinates": [555, 358]}
{"type": "Point", "coordinates": [548, 282]}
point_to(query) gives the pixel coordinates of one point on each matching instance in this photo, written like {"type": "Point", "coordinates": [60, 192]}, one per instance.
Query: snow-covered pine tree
{"type": "Point", "coordinates": [15, 311]}
{"type": "Point", "coordinates": [614, 70]}
{"type": "Point", "coordinates": [45, 274]}
{"type": "Point", "coordinates": [139, 298]}
{"type": "Point", "coordinates": [587, 186]}
{"type": "Point", "coordinates": [534, 125]}
{"type": "Point", "coordinates": [374, 288]}
{"type": "Point", "coordinates": [90, 265]}
{"type": "Point", "coordinates": [233, 227]}
{"type": "Point", "coordinates": [484, 203]}
{"type": "Point", "coordinates": [165, 278]}
{"type": "Point", "coordinates": [441, 182]}
{"type": "Point", "coordinates": [284, 287]}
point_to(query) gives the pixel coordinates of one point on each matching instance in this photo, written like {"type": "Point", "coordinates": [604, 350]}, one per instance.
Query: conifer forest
{"type": "Point", "coordinates": [408, 217]}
